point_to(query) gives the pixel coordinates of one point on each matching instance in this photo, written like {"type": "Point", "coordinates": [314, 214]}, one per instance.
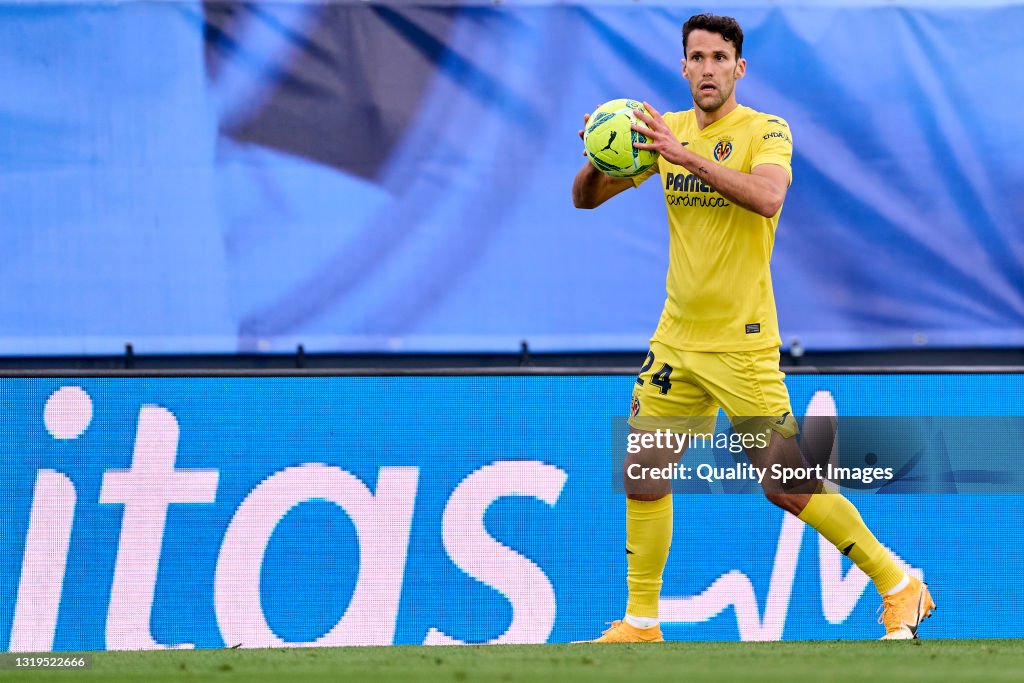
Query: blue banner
{"type": "Point", "coordinates": [353, 176]}
{"type": "Point", "coordinates": [211, 512]}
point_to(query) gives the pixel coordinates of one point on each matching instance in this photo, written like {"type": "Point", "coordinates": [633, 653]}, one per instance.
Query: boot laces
{"type": "Point", "coordinates": [890, 616]}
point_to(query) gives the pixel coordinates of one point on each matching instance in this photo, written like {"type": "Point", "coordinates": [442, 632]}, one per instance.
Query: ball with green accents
{"type": "Point", "coordinates": [609, 139]}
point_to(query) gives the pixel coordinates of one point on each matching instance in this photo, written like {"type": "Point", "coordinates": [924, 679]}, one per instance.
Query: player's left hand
{"type": "Point", "coordinates": [659, 136]}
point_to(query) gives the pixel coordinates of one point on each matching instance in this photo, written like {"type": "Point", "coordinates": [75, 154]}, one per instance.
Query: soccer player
{"type": "Point", "coordinates": [725, 170]}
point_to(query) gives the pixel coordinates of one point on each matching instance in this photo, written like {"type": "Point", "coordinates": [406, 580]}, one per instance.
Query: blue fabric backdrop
{"type": "Point", "coordinates": [223, 177]}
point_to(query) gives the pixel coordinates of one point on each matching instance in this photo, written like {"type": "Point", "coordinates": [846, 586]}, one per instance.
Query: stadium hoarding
{"type": "Point", "coordinates": [153, 512]}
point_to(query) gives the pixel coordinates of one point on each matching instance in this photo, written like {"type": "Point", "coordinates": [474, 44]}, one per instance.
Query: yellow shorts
{"type": "Point", "coordinates": [695, 384]}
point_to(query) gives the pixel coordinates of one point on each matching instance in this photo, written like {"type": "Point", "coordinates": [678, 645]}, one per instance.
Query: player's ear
{"type": "Point", "coordinates": [683, 61]}
{"type": "Point", "coordinates": [741, 67]}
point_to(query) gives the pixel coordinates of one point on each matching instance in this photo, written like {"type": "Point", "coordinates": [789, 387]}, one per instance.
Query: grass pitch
{"type": "Point", "coordinates": [923, 660]}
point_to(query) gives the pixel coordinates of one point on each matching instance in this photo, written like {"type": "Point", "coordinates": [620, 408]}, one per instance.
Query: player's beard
{"type": "Point", "coordinates": [713, 103]}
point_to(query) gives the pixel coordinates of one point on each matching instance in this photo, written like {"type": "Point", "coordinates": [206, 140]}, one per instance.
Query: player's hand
{"type": "Point", "coordinates": [586, 117]}
{"type": "Point", "coordinates": [659, 136]}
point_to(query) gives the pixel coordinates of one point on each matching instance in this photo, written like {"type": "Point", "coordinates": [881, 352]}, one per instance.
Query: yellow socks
{"type": "Point", "coordinates": [648, 537]}
{"type": "Point", "coordinates": [837, 520]}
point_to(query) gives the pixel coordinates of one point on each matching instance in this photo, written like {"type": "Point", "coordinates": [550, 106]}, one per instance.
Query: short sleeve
{"type": "Point", "coordinates": [773, 144]}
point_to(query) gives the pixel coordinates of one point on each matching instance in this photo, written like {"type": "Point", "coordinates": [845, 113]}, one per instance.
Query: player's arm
{"type": "Point", "coordinates": [762, 190]}
{"type": "Point", "coordinates": [591, 188]}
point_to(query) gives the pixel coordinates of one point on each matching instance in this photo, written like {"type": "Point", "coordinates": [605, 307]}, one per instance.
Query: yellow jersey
{"type": "Point", "coordinates": [719, 283]}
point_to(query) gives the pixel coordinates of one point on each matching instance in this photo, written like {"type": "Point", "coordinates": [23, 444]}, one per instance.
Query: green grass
{"type": "Point", "coordinates": [874, 662]}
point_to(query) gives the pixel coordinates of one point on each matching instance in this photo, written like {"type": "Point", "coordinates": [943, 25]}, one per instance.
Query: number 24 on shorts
{"type": "Point", "coordinates": [660, 379]}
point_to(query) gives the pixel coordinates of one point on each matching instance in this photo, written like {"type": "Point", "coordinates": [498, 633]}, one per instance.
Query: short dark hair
{"type": "Point", "coordinates": [727, 27]}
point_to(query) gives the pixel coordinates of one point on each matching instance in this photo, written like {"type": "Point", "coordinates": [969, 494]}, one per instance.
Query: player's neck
{"type": "Point", "coordinates": [706, 118]}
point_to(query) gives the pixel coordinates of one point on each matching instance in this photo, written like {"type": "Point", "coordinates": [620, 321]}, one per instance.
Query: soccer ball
{"type": "Point", "coordinates": [609, 139]}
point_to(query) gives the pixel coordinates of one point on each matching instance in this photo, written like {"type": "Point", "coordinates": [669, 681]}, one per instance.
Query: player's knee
{"type": "Point", "coordinates": [645, 488]}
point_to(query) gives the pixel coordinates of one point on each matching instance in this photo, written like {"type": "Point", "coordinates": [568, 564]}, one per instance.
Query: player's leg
{"type": "Point", "coordinates": [648, 538]}
{"type": "Point", "coordinates": [906, 600]}
{"type": "Point", "coordinates": [659, 399]}
{"type": "Point", "coordinates": [757, 389]}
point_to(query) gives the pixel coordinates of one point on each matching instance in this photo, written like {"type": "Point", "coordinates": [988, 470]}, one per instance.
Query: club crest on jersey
{"type": "Point", "coordinates": [723, 149]}
{"type": "Point", "coordinates": [634, 407]}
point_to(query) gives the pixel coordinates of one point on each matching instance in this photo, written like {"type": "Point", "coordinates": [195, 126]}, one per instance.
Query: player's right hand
{"type": "Point", "coordinates": [586, 117]}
